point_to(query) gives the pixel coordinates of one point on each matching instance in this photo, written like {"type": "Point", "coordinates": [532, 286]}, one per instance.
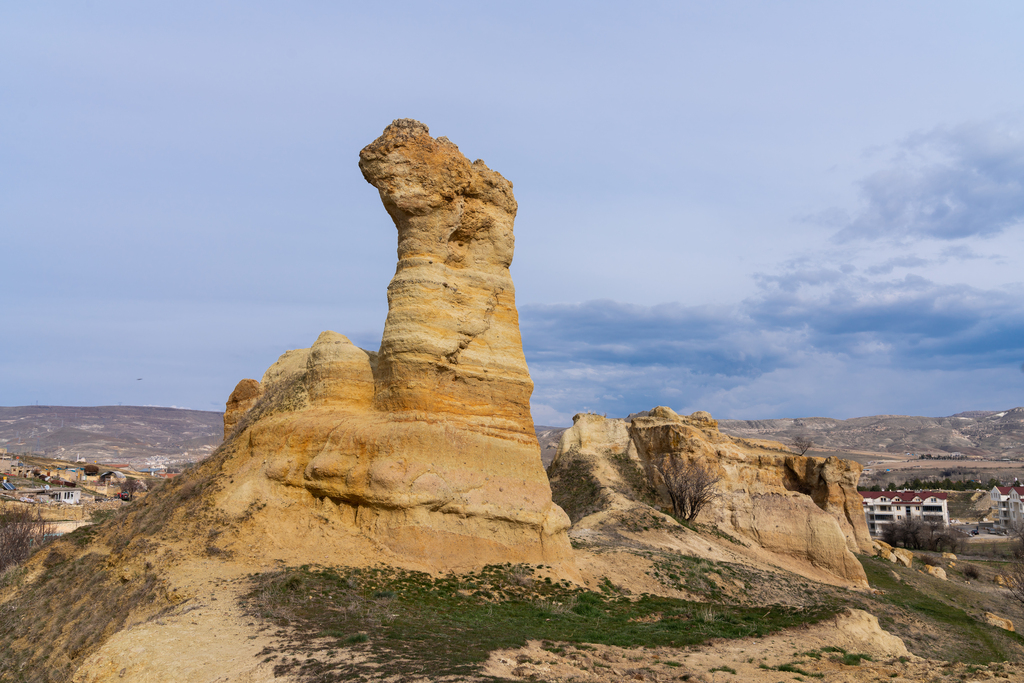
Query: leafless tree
{"type": "Point", "coordinates": [916, 534]}
{"type": "Point", "coordinates": [803, 443]}
{"type": "Point", "coordinates": [22, 530]}
{"type": "Point", "coordinates": [691, 485]}
{"type": "Point", "coordinates": [132, 486]}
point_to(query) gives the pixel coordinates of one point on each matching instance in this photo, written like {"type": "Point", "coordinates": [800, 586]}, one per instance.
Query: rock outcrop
{"type": "Point", "coordinates": [245, 395]}
{"type": "Point", "coordinates": [426, 448]}
{"type": "Point", "coordinates": [998, 621]}
{"type": "Point", "coordinates": [797, 507]}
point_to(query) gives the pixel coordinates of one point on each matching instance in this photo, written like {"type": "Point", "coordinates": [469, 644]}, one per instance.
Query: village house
{"type": "Point", "coordinates": [882, 508]}
{"type": "Point", "coordinates": [13, 467]}
{"type": "Point", "coordinates": [1009, 506]}
{"type": "Point", "coordinates": [67, 496]}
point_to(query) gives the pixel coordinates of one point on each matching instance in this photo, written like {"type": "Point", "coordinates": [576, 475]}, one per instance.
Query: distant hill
{"type": "Point", "coordinates": [989, 433]}
{"type": "Point", "coordinates": [136, 433]}
{"type": "Point", "coordinates": [111, 433]}
{"type": "Point", "coordinates": [548, 438]}
{"type": "Point", "coordinates": [976, 432]}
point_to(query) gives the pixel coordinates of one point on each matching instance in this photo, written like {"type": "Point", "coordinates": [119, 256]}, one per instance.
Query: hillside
{"type": "Point", "coordinates": [111, 433]}
{"type": "Point", "coordinates": [984, 433]}
{"type": "Point", "coordinates": [989, 433]}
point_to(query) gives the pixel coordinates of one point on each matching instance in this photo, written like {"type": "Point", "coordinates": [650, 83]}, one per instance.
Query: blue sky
{"type": "Point", "coordinates": [759, 210]}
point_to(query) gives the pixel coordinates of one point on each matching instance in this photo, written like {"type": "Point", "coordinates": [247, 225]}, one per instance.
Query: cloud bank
{"type": "Point", "coordinates": [855, 347]}
{"type": "Point", "coordinates": [947, 184]}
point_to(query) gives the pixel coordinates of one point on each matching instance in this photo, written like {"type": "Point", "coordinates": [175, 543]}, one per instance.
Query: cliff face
{"type": "Point", "coordinates": [426, 448]}
{"type": "Point", "coordinates": [805, 509]}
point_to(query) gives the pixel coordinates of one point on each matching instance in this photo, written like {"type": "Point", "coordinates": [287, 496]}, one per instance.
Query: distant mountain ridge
{"type": "Point", "coordinates": [975, 432]}
{"type": "Point", "coordinates": [108, 433]}
{"type": "Point", "coordinates": [111, 433]}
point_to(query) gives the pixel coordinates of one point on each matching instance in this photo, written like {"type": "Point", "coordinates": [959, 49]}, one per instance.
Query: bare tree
{"type": "Point", "coordinates": [691, 485]}
{"type": "Point", "coordinates": [916, 534]}
{"type": "Point", "coordinates": [132, 486]}
{"type": "Point", "coordinates": [22, 530]}
{"type": "Point", "coordinates": [802, 443]}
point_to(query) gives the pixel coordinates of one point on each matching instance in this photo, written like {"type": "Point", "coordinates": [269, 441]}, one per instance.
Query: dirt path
{"type": "Point", "coordinates": [206, 639]}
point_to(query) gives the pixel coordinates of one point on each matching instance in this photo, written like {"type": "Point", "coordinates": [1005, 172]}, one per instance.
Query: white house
{"type": "Point", "coordinates": [885, 507]}
{"type": "Point", "coordinates": [1009, 506]}
{"type": "Point", "coordinates": [69, 496]}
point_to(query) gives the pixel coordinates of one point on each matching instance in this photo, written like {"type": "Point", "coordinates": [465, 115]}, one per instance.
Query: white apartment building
{"type": "Point", "coordinates": [885, 507]}
{"type": "Point", "coordinates": [1009, 506]}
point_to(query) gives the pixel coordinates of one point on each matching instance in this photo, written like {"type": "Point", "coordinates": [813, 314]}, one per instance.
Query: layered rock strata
{"type": "Point", "coordinates": [797, 507]}
{"type": "Point", "coordinates": [426, 448]}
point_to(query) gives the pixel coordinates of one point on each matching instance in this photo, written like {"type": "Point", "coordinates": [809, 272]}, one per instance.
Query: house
{"type": "Point", "coordinates": [57, 495]}
{"type": "Point", "coordinates": [13, 467]}
{"type": "Point", "coordinates": [886, 507]}
{"type": "Point", "coordinates": [1009, 506]}
{"type": "Point", "coordinates": [68, 496]}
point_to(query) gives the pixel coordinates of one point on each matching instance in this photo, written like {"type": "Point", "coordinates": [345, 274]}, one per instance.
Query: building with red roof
{"type": "Point", "coordinates": [1009, 505]}
{"type": "Point", "coordinates": [882, 508]}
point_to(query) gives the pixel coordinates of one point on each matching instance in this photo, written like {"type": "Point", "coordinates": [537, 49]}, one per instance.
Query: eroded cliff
{"type": "Point", "coordinates": [804, 510]}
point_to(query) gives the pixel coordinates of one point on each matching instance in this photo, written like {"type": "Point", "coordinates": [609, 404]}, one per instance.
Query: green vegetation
{"type": "Point", "coordinates": [692, 574]}
{"type": "Point", "coordinates": [448, 626]}
{"type": "Point", "coordinates": [935, 484]}
{"type": "Point", "coordinates": [963, 638]}
{"type": "Point", "coordinates": [793, 668]}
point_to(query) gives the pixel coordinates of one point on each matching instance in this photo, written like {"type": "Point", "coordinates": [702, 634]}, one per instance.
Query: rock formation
{"type": "Point", "coordinates": [998, 621]}
{"type": "Point", "coordinates": [794, 506]}
{"type": "Point", "coordinates": [426, 448]}
{"type": "Point", "coordinates": [245, 395]}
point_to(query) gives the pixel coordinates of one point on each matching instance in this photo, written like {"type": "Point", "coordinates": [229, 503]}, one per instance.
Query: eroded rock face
{"type": "Point", "coordinates": [799, 507]}
{"type": "Point", "coordinates": [998, 621]}
{"type": "Point", "coordinates": [245, 395]}
{"type": "Point", "coordinates": [451, 342]}
{"type": "Point", "coordinates": [426, 448]}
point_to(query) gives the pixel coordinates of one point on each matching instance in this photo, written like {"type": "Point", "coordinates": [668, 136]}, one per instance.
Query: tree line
{"type": "Point", "coordinates": [946, 484]}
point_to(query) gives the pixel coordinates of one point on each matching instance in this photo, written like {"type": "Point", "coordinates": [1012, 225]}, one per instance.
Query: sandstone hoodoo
{"type": "Point", "coordinates": [426, 448]}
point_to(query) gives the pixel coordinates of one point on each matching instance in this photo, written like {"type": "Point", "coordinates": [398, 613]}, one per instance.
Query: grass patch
{"type": "Point", "coordinates": [966, 639]}
{"type": "Point", "coordinates": [794, 669]}
{"type": "Point", "coordinates": [850, 659]}
{"type": "Point", "coordinates": [692, 574]}
{"type": "Point", "coordinates": [450, 625]}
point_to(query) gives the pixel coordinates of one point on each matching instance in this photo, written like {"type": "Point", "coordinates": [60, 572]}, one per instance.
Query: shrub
{"type": "Point", "coordinates": [971, 572]}
{"type": "Point", "coordinates": [21, 532]}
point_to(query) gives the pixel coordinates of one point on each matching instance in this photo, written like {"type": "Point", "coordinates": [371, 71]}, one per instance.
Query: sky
{"type": "Point", "coordinates": [760, 210]}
